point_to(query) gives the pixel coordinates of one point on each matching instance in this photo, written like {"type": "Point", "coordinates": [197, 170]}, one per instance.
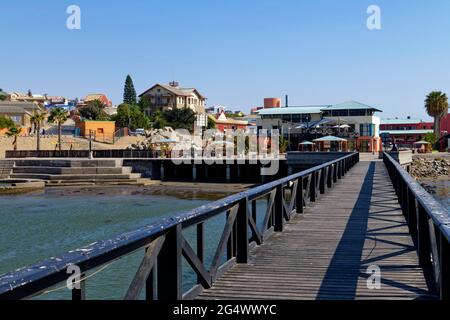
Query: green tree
{"type": "Point", "coordinates": [436, 105]}
{"type": "Point", "coordinates": [36, 120]}
{"type": "Point", "coordinates": [131, 116]}
{"type": "Point", "coordinates": [3, 95]}
{"type": "Point", "coordinates": [58, 116]}
{"type": "Point", "coordinates": [129, 93]}
{"type": "Point", "coordinates": [211, 124]}
{"type": "Point", "coordinates": [93, 110]}
{"type": "Point", "coordinates": [158, 120]}
{"type": "Point", "coordinates": [431, 138]}
{"type": "Point", "coordinates": [183, 118]}
{"type": "Point", "coordinates": [6, 123]}
{"type": "Point", "coordinates": [144, 103]}
{"type": "Point", "coordinates": [14, 132]}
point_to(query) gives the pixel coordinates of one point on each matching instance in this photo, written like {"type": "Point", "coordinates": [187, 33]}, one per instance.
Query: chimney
{"type": "Point", "coordinates": [286, 101]}
{"type": "Point", "coordinates": [174, 84]}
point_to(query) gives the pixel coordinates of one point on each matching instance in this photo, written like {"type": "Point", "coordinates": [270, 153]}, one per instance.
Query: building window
{"type": "Point", "coordinates": [358, 112]}
{"type": "Point", "coordinates": [367, 129]}
{"type": "Point", "coordinates": [340, 113]}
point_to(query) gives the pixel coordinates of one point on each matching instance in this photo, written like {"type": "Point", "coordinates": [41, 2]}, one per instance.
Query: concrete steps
{"type": "Point", "coordinates": [6, 167]}
{"type": "Point", "coordinates": [75, 171]}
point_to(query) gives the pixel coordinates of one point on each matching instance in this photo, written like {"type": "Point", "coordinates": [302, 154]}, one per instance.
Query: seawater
{"type": "Point", "coordinates": [50, 223]}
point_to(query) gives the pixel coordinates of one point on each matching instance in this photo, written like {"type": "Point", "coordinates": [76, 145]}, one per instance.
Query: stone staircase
{"type": "Point", "coordinates": [64, 172]}
{"type": "Point", "coordinates": [6, 167]}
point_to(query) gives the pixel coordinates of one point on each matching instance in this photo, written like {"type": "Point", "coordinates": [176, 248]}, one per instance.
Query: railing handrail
{"type": "Point", "coordinates": [434, 209]}
{"type": "Point", "coordinates": [52, 271]}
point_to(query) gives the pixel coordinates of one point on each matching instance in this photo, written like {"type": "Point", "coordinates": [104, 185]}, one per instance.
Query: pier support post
{"type": "Point", "coordinates": [161, 171]}
{"type": "Point", "coordinates": [444, 260]}
{"type": "Point", "coordinates": [278, 205]}
{"type": "Point", "coordinates": [313, 187]}
{"type": "Point", "coordinates": [169, 266]}
{"type": "Point", "coordinates": [299, 196]}
{"type": "Point", "coordinates": [194, 172]}
{"type": "Point", "coordinates": [242, 232]}
{"type": "Point", "coordinates": [228, 173]}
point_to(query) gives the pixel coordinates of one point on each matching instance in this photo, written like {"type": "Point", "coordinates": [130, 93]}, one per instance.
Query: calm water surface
{"type": "Point", "coordinates": [50, 223]}
{"type": "Point", "coordinates": [440, 189]}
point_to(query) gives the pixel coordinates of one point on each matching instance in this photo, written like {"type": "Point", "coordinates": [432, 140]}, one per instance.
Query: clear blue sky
{"type": "Point", "coordinates": [235, 52]}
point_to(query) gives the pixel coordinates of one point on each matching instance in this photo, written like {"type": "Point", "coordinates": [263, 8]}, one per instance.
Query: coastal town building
{"type": "Point", "coordinates": [352, 120]}
{"type": "Point", "coordinates": [20, 112]}
{"type": "Point", "coordinates": [223, 123]}
{"type": "Point", "coordinates": [162, 97]}
{"type": "Point", "coordinates": [33, 98]}
{"type": "Point", "coordinates": [406, 132]}
{"type": "Point", "coordinates": [95, 96]}
{"type": "Point", "coordinates": [102, 131]}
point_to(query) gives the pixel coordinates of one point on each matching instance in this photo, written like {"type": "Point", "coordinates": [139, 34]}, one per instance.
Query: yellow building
{"type": "Point", "coordinates": [102, 131]}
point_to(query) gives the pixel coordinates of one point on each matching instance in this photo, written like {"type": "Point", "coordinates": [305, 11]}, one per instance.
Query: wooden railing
{"type": "Point", "coordinates": [429, 225]}
{"type": "Point", "coordinates": [160, 271]}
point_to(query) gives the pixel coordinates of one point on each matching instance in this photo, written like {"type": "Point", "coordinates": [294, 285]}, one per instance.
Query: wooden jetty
{"type": "Point", "coordinates": [327, 252]}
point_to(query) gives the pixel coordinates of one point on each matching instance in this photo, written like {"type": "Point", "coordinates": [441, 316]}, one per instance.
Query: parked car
{"type": "Point", "coordinates": [138, 132]}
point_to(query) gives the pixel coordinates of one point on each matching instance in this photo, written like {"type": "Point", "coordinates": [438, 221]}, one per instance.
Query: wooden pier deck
{"type": "Point", "coordinates": [325, 253]}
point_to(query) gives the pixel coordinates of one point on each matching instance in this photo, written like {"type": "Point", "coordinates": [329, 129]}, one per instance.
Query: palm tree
{"type": "Point", "coordinates": [436, 105]}
{"type": "Point", "coordinates": [14, 132]}
{"type": "Point", "coordinates": [58, 116]}
{"type": "Point", "coordinates": [37, 120]}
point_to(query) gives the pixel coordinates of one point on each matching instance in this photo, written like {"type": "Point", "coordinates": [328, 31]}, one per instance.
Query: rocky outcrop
{"type": "Point", "coordinates": [423, 168]}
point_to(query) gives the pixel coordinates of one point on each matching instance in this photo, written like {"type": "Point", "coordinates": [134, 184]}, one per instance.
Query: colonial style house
{"type": "Point", "coordinates": [164, 97]}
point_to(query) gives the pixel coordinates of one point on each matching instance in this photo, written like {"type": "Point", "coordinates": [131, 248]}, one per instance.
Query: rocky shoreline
{"type": "Point", "coordinates": [429, 168]}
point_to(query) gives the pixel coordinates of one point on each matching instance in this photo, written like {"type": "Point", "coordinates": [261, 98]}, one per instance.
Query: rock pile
{"type": "Point", "coordinates": [430, 168]}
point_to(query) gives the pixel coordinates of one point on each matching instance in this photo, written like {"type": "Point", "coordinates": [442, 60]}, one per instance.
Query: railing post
{"type": "Point", "coordinates": [411, 216]}
{"type": "Point", "coordinates": [200, 245]}
{"type": "Point", "coordinates": [423, 237]}
{"type": "Point", "coordinates": [339, 170]}
{"type": "Point", "coordinates": [444, 268]}
{"type": "Point", "coordinates": [322, 181]}
{"type": "Point", "coordinates": [335, 170]}
{"type": "Point", "coordinates": [169, 266]}
{"type": "Point", "coordinates": [278, 205]}
{"type": "Point", "coordinates": [242, 232]}
{"type": "Point", "coordinates": [80, 293]}
{"type": "Point", "coordinates": [299, 196]}
{"type": "Point", "coordinates": [312, 187]}
{"type": "Point", "coordinates": [330, 176]}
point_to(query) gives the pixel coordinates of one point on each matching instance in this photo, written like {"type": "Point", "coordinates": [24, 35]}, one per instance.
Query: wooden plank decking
{"type": "Point", "coordinates": [325, 253]}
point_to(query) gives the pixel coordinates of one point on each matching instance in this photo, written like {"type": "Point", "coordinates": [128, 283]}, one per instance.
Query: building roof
{"type": "Point", "coordinates": [406, 132]}
{"type": "Point", "coordinates": [330, 138]}
{"type": "Point", "coordinates": [17, 107]}
{"type": "Point", "coordinates": [291, 110]}
{"type": "Point", "coordinates": [94, 96]}
{"type": "Point", "coordinates": [176, 90]}
{"type": "Point", "coordinates": [402, 121]}
{"type": "Point", "coordinates": [225, 120]}
{"type": "Point", "coordinates": [349, 105]}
